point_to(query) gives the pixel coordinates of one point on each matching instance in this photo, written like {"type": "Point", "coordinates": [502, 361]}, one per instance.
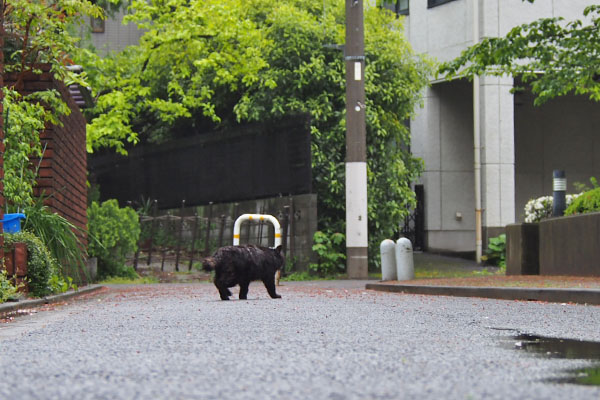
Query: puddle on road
{"type": "Point", "coordinates": [564, 348]}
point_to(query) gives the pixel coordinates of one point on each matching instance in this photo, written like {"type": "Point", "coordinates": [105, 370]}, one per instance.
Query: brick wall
{"type": "Point", "coordinates": [63, 170]}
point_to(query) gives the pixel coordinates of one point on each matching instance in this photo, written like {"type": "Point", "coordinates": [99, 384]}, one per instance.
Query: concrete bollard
{"type": "Point", "coordinates": [388, 260]}
{"type": "Point", "coordinates": [405, 266]}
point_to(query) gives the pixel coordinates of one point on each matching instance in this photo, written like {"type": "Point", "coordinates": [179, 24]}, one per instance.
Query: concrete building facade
{"type": "Point", "coordinates": [112, 35]}
{"type": "Point", "coordinates": [519, 144]}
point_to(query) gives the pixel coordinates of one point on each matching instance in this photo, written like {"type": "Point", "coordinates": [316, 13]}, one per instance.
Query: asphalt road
{"type": "Point", "coordinates": [328, 340]}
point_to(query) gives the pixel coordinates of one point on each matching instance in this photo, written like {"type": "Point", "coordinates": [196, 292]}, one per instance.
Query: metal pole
{"type": "Point", "coordinates": [356, 148]}
{"type": "Point", "coordinates": [222, 229]}
{"type": "Point", "coordinates": [152, 230]}
{"type": "Point", "coordinates": [477, 144]}
{"type": "Point", "coordinates": [192, 249]}
{"type": "Point", "coordinates": [179, 236]}
{"type": "Point", "coordinates": [207, 237]}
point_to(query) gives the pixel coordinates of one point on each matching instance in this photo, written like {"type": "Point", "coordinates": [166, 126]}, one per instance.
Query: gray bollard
{"type": "Point", "coordinates": [388, 260]}
{"type": "Point", "coordinates": [405, 266]}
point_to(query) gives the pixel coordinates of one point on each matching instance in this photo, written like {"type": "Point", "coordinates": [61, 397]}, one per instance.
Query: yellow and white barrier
{"type": "Point", "coordinates": [256, 217]}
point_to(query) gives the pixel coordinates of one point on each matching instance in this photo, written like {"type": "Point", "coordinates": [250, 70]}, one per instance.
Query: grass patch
{"type": "Point", "coordinates": [117, 280]}
{"type": "Point", "coordinates": [307, 276]}
{"type": "Point", "coordinates": [454, 273]}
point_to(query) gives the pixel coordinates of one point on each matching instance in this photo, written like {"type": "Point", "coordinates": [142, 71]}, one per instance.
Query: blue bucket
{"type": "Point", "coordinates": [12, 222]}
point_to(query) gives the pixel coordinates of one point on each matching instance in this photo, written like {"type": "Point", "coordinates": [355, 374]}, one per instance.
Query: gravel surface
{"type": "Point", "coordinates": [326, 340]}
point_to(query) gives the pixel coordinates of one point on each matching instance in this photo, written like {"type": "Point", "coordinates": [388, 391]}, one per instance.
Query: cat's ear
{"type": "Point", "coordinates": [278, 249]}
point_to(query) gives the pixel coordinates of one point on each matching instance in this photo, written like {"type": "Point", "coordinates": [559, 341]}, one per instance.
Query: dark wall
{"type": "Point", "coordinates": [250, 162]}
{"type": "Point", "coordinates": [569, 245]}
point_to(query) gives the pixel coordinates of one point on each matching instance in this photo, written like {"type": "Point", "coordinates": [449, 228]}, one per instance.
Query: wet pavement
{"type": "Point", "coordinates": [551, 347]}
{"type": "Point", "coordinates": [322, 340]}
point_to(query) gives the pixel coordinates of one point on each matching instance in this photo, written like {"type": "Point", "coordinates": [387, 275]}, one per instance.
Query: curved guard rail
{"type": "Point", "coordinates": [256, 217]}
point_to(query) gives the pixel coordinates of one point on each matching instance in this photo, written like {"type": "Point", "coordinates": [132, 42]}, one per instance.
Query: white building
{"type": "Point", "coordinates": [520, 145]}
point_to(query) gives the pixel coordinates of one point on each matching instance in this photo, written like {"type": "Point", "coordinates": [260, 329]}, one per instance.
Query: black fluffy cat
{"type": "Point", "coordinates": [240, 265]}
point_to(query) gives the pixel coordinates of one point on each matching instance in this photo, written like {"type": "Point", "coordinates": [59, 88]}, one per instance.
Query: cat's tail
{"type": "Point", "coordinates": [208, 264]}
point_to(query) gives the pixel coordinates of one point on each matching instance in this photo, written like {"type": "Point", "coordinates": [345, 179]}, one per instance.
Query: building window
{"type": "Point", "coordinates": [400, 7]}
{"type": "Point", "coordinates": [97, 25]}
{"type": "Point", "coordinates": [434, 3]}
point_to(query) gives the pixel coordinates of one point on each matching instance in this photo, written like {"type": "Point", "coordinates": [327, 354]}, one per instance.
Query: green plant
{"type": "Point", "coordinates": [25, 118]}
{"type": "Point", "coordinates": [587, 202]}
{"type": "Point", "coordinates": [330, 252]}
{"type": "Point", "coordinates": [60, 236]}
{"type": "Point", "coordinates": [58, 284]}
{"type": "Point", "coordinates": [582, 187]}
{"type": "Point", "coordinates": [114, 233]}
{"type": "Point", "coordinates": [299, 276]}
{"type": "Point", "coordinates": [496, 251]}
{"type": "Point", "coordinates": [41, 265]}
{"type": "Point", "coordinates": [119, 280]}
{"type": "Point", "coordinates": [8, 291]}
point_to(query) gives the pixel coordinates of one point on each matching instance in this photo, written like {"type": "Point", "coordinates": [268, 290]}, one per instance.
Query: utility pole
{"type": "Point", "coordinates": [356, 146]}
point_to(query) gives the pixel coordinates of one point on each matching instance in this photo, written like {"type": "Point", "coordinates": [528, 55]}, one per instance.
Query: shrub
{"type": "Point", "coordinates": [587, 202]}
{"type": "Point", "coordinates": [540, 208]}
{"type": "Point", "coordinates": [7, 289]}
{"type": "Point", "coordinates": [330, 252]}
{"type": "Point", "coordinates": [59, 236]}
{"type": "Point", "coordinates": [41, 265]}
{"type": "Point", "coordinates": [114, 233]}
{"type": "Point", "coordinates": [496, 251]}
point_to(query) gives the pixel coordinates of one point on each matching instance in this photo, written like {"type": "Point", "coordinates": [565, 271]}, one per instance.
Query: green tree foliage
{"type": "Point", "coordinates": [206, 64]}
{"type": "Point", "coordinates": [25, 118]}
{"type": "Point", "coordinates": [33, 33]}
{"type": "Point", "coordinates": [554, 56]}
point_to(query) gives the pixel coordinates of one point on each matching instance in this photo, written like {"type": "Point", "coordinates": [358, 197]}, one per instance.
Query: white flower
{"type": "Point", "coordinates": [540, 208]}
